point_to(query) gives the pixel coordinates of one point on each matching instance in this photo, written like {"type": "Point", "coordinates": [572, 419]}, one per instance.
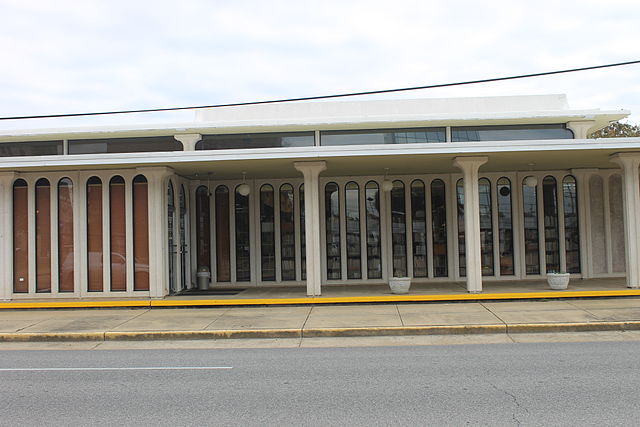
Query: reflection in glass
{"type": "Point", "coordinates": [419, 228]}
{"type": "Point", "coordinates": [391, 136]}
{"type": "Point", "coordinates": [140, 234]}
{"type": "Point", "coordinates": [203, 230]}
{"type": "Point", "coordinates": [20, 236]}
{"type": "Point", "coordinates": [332, 220]}
{"type": "Point", "coordinates": [243, 240]}
{"type": "Point", "coordinates": [65, 236]}
{"type": "Point", "coordinates": [398, 230]}
{"type": "Point", "coordinates": [118, 234]}
{"type": "Point", "coordinates": [510, 132]}
{"type": "Point", "coordinates": [352, 214]}
{"type": "Point", "coordinates": [287, 234]}
{"type": "Point", "coordinates": [439, 228]}
{"type": "Point", "coordinates": [571, 231]}
{"type": "Point", "coordinates": [223, 237]}
{"type": "Point", "coordinates": [372, 205]}
{"type": "Point", "coordinates": [505, 227]}
{"type": "Point", "coordinates": [486, 227]}
{"type": "Point", "coordinates": [303, 242]}
{"type": "Point", "coordinates": [43, 236]}
{"type": "Point", "coordinates": [267, 233]}
{"type": "Point", "coordinates": [94, 234]}
{"type": "Point", "coordinates": [551, 232]}
{"type": "Point", "coordinates": [255, 140]}
{"type": "Point", "coordinates": [531, 242]}
{"type": "Point", "coordinates": [182, 228]}
{"type": "Point", "coordinates": [171, 221]}
{"type": "Point", "coordinates": [462, 261]}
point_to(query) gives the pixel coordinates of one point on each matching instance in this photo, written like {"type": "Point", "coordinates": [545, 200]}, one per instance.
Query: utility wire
{"type": "Point", "coordinates": [310, 98]}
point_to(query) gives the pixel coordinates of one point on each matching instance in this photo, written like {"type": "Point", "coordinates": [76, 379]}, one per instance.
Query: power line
{"type": "Point", "coordinates": [311, 98]}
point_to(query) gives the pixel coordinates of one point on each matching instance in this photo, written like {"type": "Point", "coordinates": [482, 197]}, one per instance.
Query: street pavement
{"type": "Point", "coordinates": [542, 384]}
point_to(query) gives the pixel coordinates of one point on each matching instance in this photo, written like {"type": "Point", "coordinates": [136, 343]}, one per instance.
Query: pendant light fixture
{"type": "Point", "coordinates": [387, 184]}
{"type": "Point", "coordinates": [243, 189]}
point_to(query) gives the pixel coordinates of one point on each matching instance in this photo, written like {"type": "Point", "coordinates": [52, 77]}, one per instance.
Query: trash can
{"type": "Point", "coordinates": [204, 277]}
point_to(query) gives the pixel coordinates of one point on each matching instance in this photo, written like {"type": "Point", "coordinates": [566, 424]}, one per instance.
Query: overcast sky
{"type": "Point", "coordinates": [69, 56]}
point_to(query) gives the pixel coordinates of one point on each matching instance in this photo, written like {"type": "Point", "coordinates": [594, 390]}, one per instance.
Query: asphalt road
{"type": "Point", "coordinates": [523, 384]}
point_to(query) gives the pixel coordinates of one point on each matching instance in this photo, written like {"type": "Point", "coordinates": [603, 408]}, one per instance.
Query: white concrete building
{"type": "Point", "coordinates": [309, 194]}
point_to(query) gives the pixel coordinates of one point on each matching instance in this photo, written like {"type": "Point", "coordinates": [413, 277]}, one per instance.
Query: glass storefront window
{"type": "Point", "coordinates": [118, 234]}
{"type": "Point", "coordinates": [439, 228]}
{"type": "Point", "coordinates": [267, 233]}
{"type": "Point", "coordinates": [332, 221]}
{"type": "Point", "coordinates": [551, 232]}
{"type": "Point", "coordinates": [462, 261]}
{"type": "Point", "coordinates": [571, 230]}
{"type": "Point", "coordinates": [486, 227]}
{"type": "Point", "coordinates": [505, 227]}
{"type": "Point", "coordinates": [223, 239]}
{"type": "Point", "coordinates": [419, 228]}
{"type": "Point", "coordinates": [531, 241]}
{"type": "Point", "coordinates": [287, 234]}
{"type": "Point", "coordinates": [94, 235]}
{"type": "Point", "coordinates": [398, 230]}
{"type": "Point", "coordinates": [352, 216]}
{"type": "Point", "coordinates": [243, 237]}
{"type": "Point", "coordinates": [20, 236]}
{"type": "Point", "coordinates": [140, 233]}
{"type": "Point", "coordinates": [372, 207]}
{"type": "Point", "coordinates": [65, 236]}
{"type": "Point", "coordinates": [43, 235]}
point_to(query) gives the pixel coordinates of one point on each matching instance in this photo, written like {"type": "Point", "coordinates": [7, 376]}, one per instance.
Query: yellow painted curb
{"type": "Point", "coordinates": [75, 304]}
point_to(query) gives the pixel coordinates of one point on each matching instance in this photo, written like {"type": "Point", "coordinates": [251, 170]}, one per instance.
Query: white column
{"type": "Point", "coordinates": [188, 140]}
{"type": "Point", "coordinates": [158, 245]}
{"type": "Point", "coordinates": [630, 163]}
{"type": "Point", "coordinates": [581, 128]}
{"type": "Point", "coordinates": [311, 172]}
{"type": "Point", "coordinates": [582, 181]}
{"type": "Point", "coordinates": [469, 167]}
{"type": "Point", "coordinates": [6, 234]}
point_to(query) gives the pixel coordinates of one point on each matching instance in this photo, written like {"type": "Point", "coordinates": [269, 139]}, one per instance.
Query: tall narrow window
{"type": "Point", "coordinates": [419, 228]}
{"type": "Point", "coordinates": [571, 231]}
{"type": "Point", "coordinates": [616, 221]}
{"type": "Point", "coordinates": [599, 259]}
{"type": "Point", "coordinates": [118, 238]}
{"type": "Point", "coordinates": [182, 228]}
{"type": "Point", "coordinates": [203, 230]}
{"type": "Point", "coordinates": [505, 227]}
{"type": "Point", "coordinates": [20, 236]}
{"type": "Point", "coordinates": [551, 233]}
{"type": "Point", "coordinates": [398, 230]}
{"type": "Point", "coordinates": [287, 234]}
{"type": "Point", "coordinates": [303, 237]}
{"type": "Point", "coordinates": [439, 228]}
{"type": "Point", "coordinates": [352, 215]}
{"type": "Point", "coordinates": [223, 241]}
{"type": "Point", "coordinates": [43, 236]}
{"type": "Point", "coordinates": [267, 233]}
{"type": "Point", "coordinates": [65, 236]}
{"type": "Point", "coordinates": [243, 239]}
{"type": "Point", "coordinates": [332, 219]}
{"type": "Point", "coordinates": [140, 233]}
{"type": "Point", "coordinates": [372, 205]}
{"type": "Point", "coordinates": [531, 241]}
{"type": "Point", "coordinates": [172, 253]}
{"type": "Point", "coordinates": [462, 260]}
{"type": "Point", "coordinates": [94, 235]}
{"type": "Point", "coordinates": [486, 227]}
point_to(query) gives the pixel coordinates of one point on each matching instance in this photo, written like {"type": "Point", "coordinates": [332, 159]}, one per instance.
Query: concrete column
{"type": "Point", "coordinates": [188, 140]}
{"type": "Point", "coordinates": [630, 162]}
{"type": "Point", "coordinates": [581, 128]}
{"type": "Point", "coordinates": [158, 245]}
{"type": "Point", "coordinates": [311, 172]}
{"type": "Point", "coordinates": [469, 167]}
{"type": "Point", "coordinates": [6, 234]}
{"type": "Point", "coordinates": [584, 218]}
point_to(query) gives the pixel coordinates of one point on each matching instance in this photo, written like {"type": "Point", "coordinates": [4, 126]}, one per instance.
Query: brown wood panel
{"type": "Point", "coordinates": [43, 236]}
{"type": "Point", "coordinates": [223, 242]}
{"type": "Point", "coordinates": [20, 237]}
{"type": "Point", "coordinates": [94, 235]}
{"type": "Point", "coordinates": [118, 234]}
{"type": "Point", "coordinates": [65, 236]}
{"type": "Point", "coordinates": [141, 235]}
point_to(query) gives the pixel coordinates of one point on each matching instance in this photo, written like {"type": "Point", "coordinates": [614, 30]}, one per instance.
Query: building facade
{"type": "Point", "coordinates": [313, 194]}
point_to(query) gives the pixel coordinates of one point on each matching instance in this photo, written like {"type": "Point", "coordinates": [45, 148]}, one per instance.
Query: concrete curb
{"type": "Point", "coordinates": [620, 326]}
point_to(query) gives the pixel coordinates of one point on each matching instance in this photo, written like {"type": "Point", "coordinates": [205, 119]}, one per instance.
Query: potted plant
{"type": "Point", "coordinates": [558, 281]}
{"type": "Point", "coordinates": [399, 285]}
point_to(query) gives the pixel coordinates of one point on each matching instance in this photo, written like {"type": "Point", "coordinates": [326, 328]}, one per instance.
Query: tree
{"type": "Point", "coordinates": [616, 130]}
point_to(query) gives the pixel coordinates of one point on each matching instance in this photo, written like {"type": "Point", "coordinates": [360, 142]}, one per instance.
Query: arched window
{"type": "Point", "coordinates": [332, 221]}
{"type": "Point", "coordinates": [171, 221]}
{"type": "Point", "coordinates": [486, 226]}
{"type": "Point", "coordinates": [203, 228]}
{"type": "Point", "coordinates": [505, 227]}
{"type": "Point", "coordinates": [94, 235]}
{"type": "Point", "coordinates": [287, 234]}
{"type": "Point", "coordinates": [419, 228]}
{"type": "Point", "coordinates": [352, 215]}
{"type": "Point", "coordinates": [398, 230]}
{"type": "Point", "coordinates": [439, 228]}
{"type": "Point", "coordinates": [118, 235]}
{"type": "Point", "coordinates": [531, 241]}
{"type": "Point", "coordinates": [43, 235]}
{"type": "Point", "coordinates": [462, 260]}
{"type": "Point", "coordinates": [65, 236]}
{"type": "Point", "coordinates": [243, 239]}
{"type": "Point", "coordinates": [571, 230]}
{"type": "Point", "coordinates": [551, 232]}
{"type": "Point", "coordinates": [372, 205]}
{"type": "Point", "coordinates": [267, 233]}
{"type": "Point", "coordinates": [303, 242]}
{"type": "Point", "coordinates": [223, 239]}
{"type": "Point", "coordinates": [140, 234]}
{"type": "Point", "coordinates": [20, 236]}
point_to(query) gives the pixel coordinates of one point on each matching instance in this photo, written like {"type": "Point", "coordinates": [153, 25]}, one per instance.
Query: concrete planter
{"type": "Point", "coordinates": [558, 281]}
{"type": "Point", "coordinates": [399, 285]}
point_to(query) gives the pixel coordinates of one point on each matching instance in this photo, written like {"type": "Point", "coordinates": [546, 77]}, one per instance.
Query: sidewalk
{"type": "Point", "coordinates": [391, 319]}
